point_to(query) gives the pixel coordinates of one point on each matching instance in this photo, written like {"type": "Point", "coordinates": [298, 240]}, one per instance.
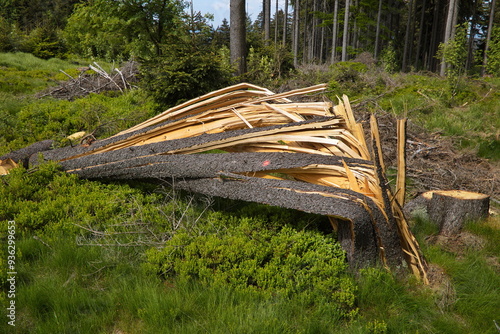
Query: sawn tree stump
{"type": "Point", "coordinates": [450, 209]}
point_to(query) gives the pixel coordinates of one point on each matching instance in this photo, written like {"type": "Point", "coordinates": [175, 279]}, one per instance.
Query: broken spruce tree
{"type": "Point", "coordinates": [245, 142]}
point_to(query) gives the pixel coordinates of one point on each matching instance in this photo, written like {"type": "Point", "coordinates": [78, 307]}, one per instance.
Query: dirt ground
{"type": "Point", "coordinates": [433, 163]}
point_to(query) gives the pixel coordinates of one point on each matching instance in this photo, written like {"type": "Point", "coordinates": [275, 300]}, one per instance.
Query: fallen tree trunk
{"type": "Point", "coordinates": [310, 157]}
{"type": "Point", "coordinates": [23, 155]}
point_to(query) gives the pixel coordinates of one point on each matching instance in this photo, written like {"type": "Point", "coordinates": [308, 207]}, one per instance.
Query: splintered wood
{"type": "Point", "coordinates": [262, 147]}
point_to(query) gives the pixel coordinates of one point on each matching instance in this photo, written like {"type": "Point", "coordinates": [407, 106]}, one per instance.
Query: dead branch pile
{"type": "Point", "coordinates": [94, 79]}
{"type": "Point", "coordinates": [245, 142]}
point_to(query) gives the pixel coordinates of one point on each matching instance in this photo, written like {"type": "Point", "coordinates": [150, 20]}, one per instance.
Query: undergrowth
{"type": "Point", "coordinates": [112, 257]}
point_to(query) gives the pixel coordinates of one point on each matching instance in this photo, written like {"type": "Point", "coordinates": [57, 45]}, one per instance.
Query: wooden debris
{"type": "Point", "coordinates": [401, 177]}
{"type": "Point", "coordinates": [6, 165]}
{"type": "Point", "coordinates": [24, 155]}
{"type": "Point", "coordinates": [97, 82]}
{"type": "Point", "coordinates": [307, 156]}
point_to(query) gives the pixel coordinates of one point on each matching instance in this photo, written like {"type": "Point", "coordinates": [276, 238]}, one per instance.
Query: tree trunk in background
{"type": "Point", "coordinates": [377, 32]}
{"type": "Point", "coordinates": [448, 31]}
{"type": "Point", "coordinates": [407, 35]}
{"type": "Point", "coordinates": [431, 60]}
{"type": "Point", "coordinates": [335, 26]}
{"type": "Point", "coordinates": [322, 45]}
{"type": "Point", "coordinates": [276, 23]}
{"type": "Point", "coordinates": [285, 23]}
{"type": "Point", "coordinates": [488, 35]}
{"type": "Point", "coordinates": [470, 43]}
{"type": "Point", "coordinates": [296, 30]}
{"type": "Point", "coordinates": [304, 38]}
{"type": "Point", "coordinates": [346, 28]}
{"type": "Point", "coordinates": [267, 20]}
{"type": "Point", "coordinates": [238, 35]}
{"type": "Point", "coordinates": [355, 33]}
{"type": "Point", "coordinates": [420, 34]}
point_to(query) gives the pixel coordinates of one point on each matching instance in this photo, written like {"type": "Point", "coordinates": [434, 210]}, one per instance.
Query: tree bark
{"type": "Point", "coordinates": [23, 155]}
{"type": "Point", "coordinates": [276, 24]}
{"type": "Point", "coordinates": [377, 30]}
{"type": "Point", "coordinates": [407, 35]}
{"type": "Point", "coordinates": [488, 35]}
{"type": "Point", "coordinates": [267, 20]}
{"type": "Point", "coordinates": [451, 209]}
{"type": "Point", "coordinates": [238, 35]}
{"type": "Point", "coordinates": [448, 31]}
{"type": "Point", "coordinates": [436, 28]}
{"type": "Point", "coordinates": [296, 33]}
{"type": "Point", "coordinates": [472, 35]}
{"type": "Point", "coordinates": [420, 34]}
{"type": "Point", "coordinates": [346, 28]}
{"type": "Point", "coordinates": [334, 35]}
{"type": "Point", "coordinates": [285, 23]}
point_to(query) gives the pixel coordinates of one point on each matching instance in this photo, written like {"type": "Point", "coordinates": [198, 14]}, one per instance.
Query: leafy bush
{"type": "Point", "coordinates": [301, 265]}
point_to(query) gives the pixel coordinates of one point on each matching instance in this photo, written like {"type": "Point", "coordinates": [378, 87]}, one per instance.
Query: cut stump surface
{"type": "Point", "coordinates": [450, 209]}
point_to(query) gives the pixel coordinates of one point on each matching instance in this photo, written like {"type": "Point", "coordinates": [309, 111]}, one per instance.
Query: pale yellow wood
{"type": "Point", "coordinates": [401, 164]}
{"type": "Point", "coordinates": [376, 137]}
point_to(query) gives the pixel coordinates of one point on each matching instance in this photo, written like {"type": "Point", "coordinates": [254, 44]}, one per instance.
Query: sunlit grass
{"type": "Point", "coordinates": [27, 62]}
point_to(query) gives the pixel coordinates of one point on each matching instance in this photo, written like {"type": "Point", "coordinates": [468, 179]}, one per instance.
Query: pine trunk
{"type": "Point", "coordinates": [488, 35]}
{"type": "Point", "coordinates": [346, 30]}
{"type": "Point", "coordinates": [335, 27]}
{"type": "Point", "coordinates": [238, 36]}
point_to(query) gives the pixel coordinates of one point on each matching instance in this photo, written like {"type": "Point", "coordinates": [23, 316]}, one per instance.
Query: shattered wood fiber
{"type": "Point", "coordinates": [245, 142]}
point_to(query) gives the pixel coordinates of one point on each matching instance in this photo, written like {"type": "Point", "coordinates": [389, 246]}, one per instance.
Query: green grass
{"type": "Point", "coordinates": [67, 288]}
{"type": "Point", "coordinates": [468, 112]}
{"type": "Point", "coordinates": [27, 62]}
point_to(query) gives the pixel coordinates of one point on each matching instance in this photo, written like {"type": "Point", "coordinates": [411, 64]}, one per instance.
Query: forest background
{"type": "Point", "coordinates": [120, 258]}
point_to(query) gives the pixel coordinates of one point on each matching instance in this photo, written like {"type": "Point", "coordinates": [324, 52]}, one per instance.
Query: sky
{"type": "Point", "coordinates": [220, 8]}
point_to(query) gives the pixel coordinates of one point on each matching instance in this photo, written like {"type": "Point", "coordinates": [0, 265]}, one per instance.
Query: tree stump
{"type": "Point", "coordinates": [450, 209]}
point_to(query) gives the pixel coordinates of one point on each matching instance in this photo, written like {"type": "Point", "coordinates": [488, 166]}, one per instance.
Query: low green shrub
{"type": "Point", "coordinates": [46, 199]}
{"type": "Point", "coordinates": [300, 265]}
{"type": "Point", "coordinates": [100, 115]}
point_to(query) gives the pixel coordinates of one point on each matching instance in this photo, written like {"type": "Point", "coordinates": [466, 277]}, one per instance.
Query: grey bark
{"type": "Point", "coordinates": [23, 155]}
{"type": "Point", "coordinates": [267, 20]}
{"type": "Point", "coordinates": [377, 30]}
{"type": "Point", "coordinates": [296, 33]}
{"type": "Point", "coordinates": [346, 28]}
{"type": "Point", "coordinates": [452, 6]}
{"type": "Point", "coordinates": [285, 23]}
{"type": "Point", "coordinates": [488, 35]}
{"type": "Point", "coordinates": [335, 33]}
{"type": "Point", "coordinates": [449, 210]}
{"type": "Point", "coordinates": [238, 35]}
{"type": "Point", "coordinates": [408, 36]}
